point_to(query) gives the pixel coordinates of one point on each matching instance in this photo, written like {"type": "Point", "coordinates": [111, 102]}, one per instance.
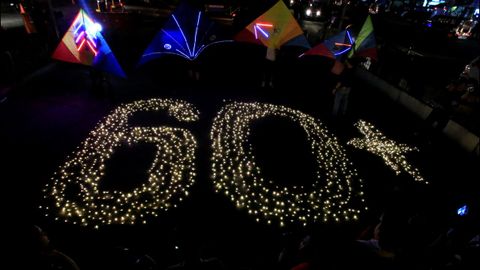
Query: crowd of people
{"type": "Point", "coordinates": [398, 239]}
{"type": "Point", "coordinates": [465, 90]}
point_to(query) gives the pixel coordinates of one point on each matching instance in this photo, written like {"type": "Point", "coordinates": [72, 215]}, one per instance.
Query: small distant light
{"type": "Point", "coordinates": [98, 27]}
{"type": "Point", "coordinates": [167, 46]}
{"type": "Point", "coordinates": [462, 211]}
{"type": "Point", "coordinates": [12, 4]}
{"type": "Point", "coordinates": [308, 12]}
{"type": "Point", "coordinates": [176, 247]}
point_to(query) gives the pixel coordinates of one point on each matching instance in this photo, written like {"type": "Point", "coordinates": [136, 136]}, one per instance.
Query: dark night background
{"type": "Point", "coordinates": [49, 107]}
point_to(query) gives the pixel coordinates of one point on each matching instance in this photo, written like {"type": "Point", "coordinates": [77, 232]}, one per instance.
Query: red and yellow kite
{"type": "Point", "coordinates": [274, 28]}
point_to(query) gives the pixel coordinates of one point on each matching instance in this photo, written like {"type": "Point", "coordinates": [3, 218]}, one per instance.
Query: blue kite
{"type": "Point", "coordinates": [187, 33]}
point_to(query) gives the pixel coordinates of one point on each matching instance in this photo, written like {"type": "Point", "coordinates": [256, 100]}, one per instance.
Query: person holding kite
{"type": "Point", "coordinates": [342, 91]}
{"type": "Point", "coordinates": [269, 69]}
{"type": "Point", "coordinates": [275, 28]}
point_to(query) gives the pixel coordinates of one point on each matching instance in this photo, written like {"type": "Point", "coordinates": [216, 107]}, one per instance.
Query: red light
{"type": "Point", "coordinates": [76, 18]}
{"type": "Point", "coordinates": [265, 24]}
{"type": "Point", "coordinates": [343, 44]}
{"type": "Point", "coordinates": [81, 45]}
{"type": "Point", "coordinates": [80, 37]}
{"type": "Point", "coordinates": [91, 47]}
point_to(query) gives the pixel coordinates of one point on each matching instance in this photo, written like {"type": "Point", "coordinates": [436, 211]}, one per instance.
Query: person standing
{"type": "Point", "coordinates": [269, 70]}
{"type": "Point", "coordinates": [342, 92]}
{"type": "Point", "coordinates": [43, 255]}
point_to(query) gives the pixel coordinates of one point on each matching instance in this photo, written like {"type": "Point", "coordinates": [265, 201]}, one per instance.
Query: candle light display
{"type": "Point", "coordinates": [335, 193]}
{"type": "Point", "coordinates": [392, 152]}
{"type": "Point", "coordinates": [170, 175]}
{"type": "Point", "coordinates": [236, 174]}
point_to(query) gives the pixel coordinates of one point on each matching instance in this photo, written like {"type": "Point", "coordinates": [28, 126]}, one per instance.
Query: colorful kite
{"type": "Point", "coordinates": [274, 28]}
{"type": "Point", "coordinates": [83, 44]}
{"type": "Point", "coordinates": [365, 44]}
{"type": "Point", "coordinates": [335, 47]}
{"type": "Point", "coordinates": [186, 33]}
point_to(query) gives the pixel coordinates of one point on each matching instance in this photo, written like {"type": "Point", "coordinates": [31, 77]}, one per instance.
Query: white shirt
{"type": "Point", "coordinates": [271, 54]}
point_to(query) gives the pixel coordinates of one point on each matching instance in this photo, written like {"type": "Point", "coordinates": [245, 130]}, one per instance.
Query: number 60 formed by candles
{"type": "Point", "coordinates": [234, 169]}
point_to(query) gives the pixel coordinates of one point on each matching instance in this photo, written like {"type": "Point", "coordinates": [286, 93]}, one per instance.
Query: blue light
{"type": "Point", "coordinates": [196, 32]}
{"type": "Point", "coordinates": [167, 46]}
{"type": "Point", "coordinates": [261, 31]}
{"type": "Point", "coordinates": [199, 50]}
{"type": "Point", "coordinates": [349, 37]}
{"type": "Point", "coordinates": [192, 53]}
{"type": "Point", "coordinates": [462, 211]}
{"type": "Point", "coordinates": [342, 52]}
{"type": "Point", "coordinates": [98, 27]}
{"type": "Point", "coordinates": [183, 35]}
{"type": "Point", "coordinates": [182, 54]}
{"type": "Point", "coordinates": [174, 39]}
{"type": "Point", "coordinates": [78, 28]}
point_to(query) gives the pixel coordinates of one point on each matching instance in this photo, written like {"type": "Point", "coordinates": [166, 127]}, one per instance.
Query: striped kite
{"type": "Point", "coordinates": [84, 44]}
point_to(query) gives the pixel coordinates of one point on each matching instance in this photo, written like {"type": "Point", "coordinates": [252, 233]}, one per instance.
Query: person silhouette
{"type": "Point", "coordinates": [269, 67]}
{"type": "Point", "coordinates": [44, 257]}
{"type": "Point", "coordinates": [342, 91]}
